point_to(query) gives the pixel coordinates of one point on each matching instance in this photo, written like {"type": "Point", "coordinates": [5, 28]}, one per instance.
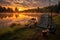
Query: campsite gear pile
{"type": "Point", "coordinates": [46, 25]}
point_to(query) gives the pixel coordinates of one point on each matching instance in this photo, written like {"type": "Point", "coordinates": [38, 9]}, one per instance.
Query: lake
{"type": "Point", "coordinates": [6, 19]}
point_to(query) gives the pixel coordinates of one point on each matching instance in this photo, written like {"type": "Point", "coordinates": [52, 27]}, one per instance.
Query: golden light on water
{"type": "Point", "coordinates": [18, 17]}
{"type": "Point", "coordinates": [21, 16]}
{"type": "Point", "coordinates": [14, 16]}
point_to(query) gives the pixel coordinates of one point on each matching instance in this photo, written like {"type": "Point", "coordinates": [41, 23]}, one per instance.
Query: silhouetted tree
{"type": "Point", "coordinates": [3, 9]}
{"type": "Point", "coordinates": [59, 6]}
{"type": "Point", "coordinates": [16, 9]}
{"type": "Point", "coordinates": [9, 10]}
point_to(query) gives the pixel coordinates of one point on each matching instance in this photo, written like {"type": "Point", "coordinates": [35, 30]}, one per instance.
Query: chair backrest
{"type": "Point", "coordinates": [44, 20]}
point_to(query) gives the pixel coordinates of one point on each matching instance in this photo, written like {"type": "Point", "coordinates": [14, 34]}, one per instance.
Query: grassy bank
{"type": "Point", "coordinates": [17, 33]}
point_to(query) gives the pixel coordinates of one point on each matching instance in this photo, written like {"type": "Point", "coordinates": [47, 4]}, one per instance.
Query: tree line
{"type": "Point", "coordinates": [52, 8]}
{"type": "Point", "coordinates": [3, 9]}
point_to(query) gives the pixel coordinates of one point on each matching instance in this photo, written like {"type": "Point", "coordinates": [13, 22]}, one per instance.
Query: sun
{"type": "Point", "coordinates": [20, 8]}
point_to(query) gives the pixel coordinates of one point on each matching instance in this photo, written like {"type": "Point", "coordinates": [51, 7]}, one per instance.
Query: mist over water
{"type": "Point", "coordinates": [21, 18]}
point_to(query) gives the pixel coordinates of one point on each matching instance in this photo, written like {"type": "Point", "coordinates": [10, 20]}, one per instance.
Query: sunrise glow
{"type": "Point", "coordinates": [21, 8]}
{"type": "Point", "coordinates": [21, 16]}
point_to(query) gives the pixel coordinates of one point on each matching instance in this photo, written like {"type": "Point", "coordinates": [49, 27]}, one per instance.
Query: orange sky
{"type": "Point", "coordinates": [26, 4]}
{"type": "Point", "coordinates": [19, 8]}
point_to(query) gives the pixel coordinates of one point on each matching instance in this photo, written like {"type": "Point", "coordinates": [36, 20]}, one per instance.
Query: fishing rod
{"type": "Point", "coordinates": [50, 12]}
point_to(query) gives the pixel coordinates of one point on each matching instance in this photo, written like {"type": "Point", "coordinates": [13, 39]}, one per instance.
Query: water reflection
{"type": "Point", "coordinates": [16, 18]}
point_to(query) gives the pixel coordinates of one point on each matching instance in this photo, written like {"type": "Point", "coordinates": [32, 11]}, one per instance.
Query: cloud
{"type": "Point", "coordinates": [3, 2]}
{"type": "Point", "coordinates": [28, 3]}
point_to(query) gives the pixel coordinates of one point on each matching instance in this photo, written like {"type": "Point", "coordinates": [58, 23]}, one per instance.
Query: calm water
{"type": "Point", "coordinates": [19, 18]}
